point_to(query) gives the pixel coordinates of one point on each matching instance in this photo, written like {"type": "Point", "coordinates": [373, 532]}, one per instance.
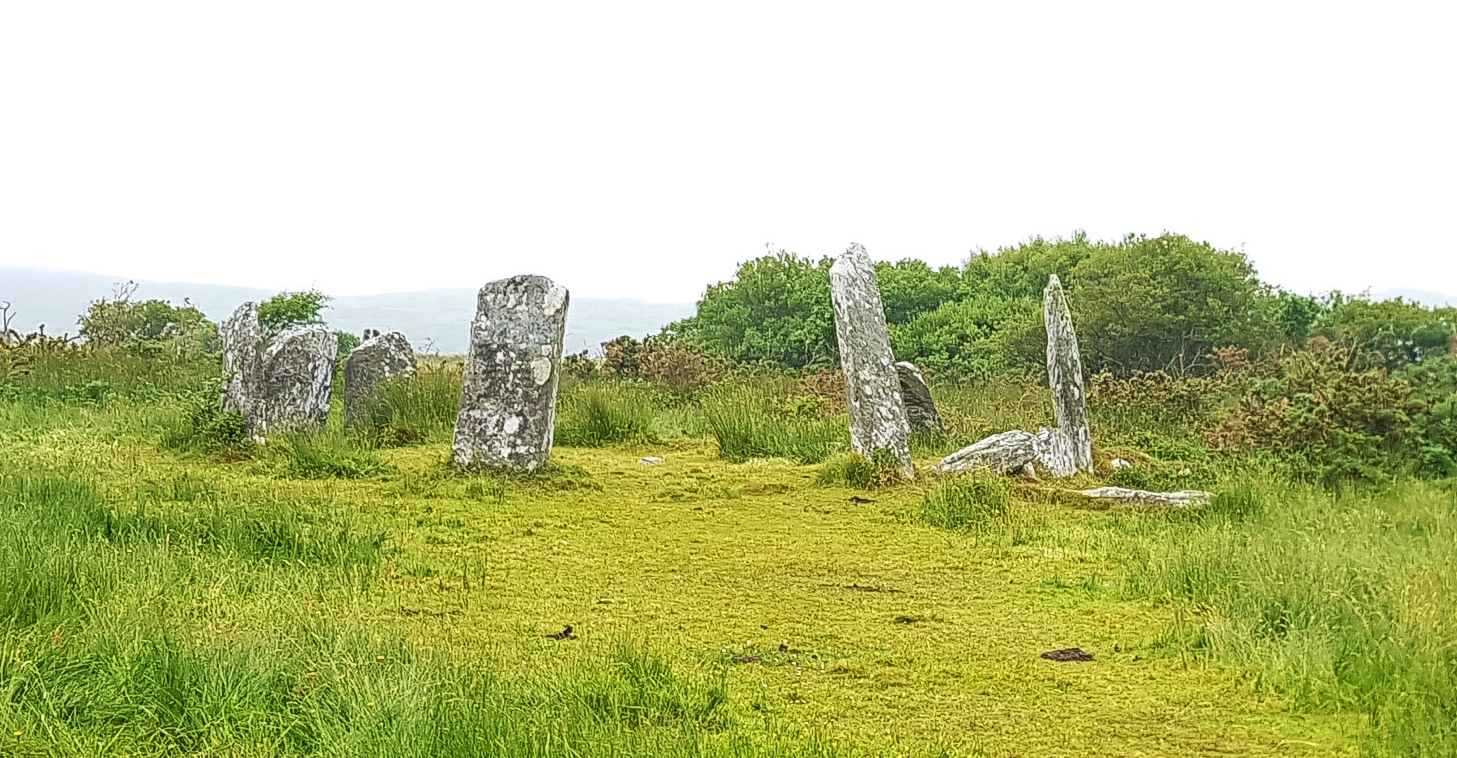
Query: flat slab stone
{"type": "Point", "coordinates": [1005, 453]}
{"type": "Point", "coordinates": [508, 399]}
{"type": "Point", "coordinates": [1181, 499]}
{"type": "Point", "coordinates": [878, 420]}
{"type": "Point", "coordinates": [378, 358]}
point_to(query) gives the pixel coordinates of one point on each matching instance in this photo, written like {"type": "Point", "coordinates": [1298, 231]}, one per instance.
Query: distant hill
{"type": "Point", "coordinates": [436, 320]}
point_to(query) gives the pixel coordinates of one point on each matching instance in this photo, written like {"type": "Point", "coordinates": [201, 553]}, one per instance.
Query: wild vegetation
{"type": "Point", "coordinates": [170, 587]}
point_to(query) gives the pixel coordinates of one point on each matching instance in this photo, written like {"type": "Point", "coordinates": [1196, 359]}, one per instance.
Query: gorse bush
{"type": "Point", "coordinates": [206, 429]}
{"type": "Point", "coordinates": [287, 309]}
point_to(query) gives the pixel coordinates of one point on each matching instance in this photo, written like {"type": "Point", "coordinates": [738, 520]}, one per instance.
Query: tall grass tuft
{"type": "Point", "coordinates": [970, 502]}
{"type": "Point", "coordinates": [1338, 601]}
{"type": "Point", "coordinates": [747, 423]}
{"type": "Point", "coordinates": [329, 454]}
{"type": "Point", "coordinates": [595, 415]}
{"type": "Point", "coordinates": [419, 408]}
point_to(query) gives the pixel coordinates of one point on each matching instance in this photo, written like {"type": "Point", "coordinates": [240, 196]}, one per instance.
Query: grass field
{"type": "Point", "coordinates": [156, 603]}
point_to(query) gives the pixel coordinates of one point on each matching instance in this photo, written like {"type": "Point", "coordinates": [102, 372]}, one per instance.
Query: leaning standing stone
{"type": "Point", "coordinates": [1065, 377]}
{"type": "Point", "coordinates": [242, 338]}
{"type": "Point", "coordinates": [295, 379]}
{"type": "Point", "coordinates": [378, 358]}
{"type": "Point", "coordinates": [508, 400]}
{"type": "Point", "coordinates": [877, 412]}
{"type": "Point", "coordinates": [920, 406]}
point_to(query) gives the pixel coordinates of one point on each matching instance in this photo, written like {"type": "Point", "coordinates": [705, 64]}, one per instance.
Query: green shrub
{"type": "Point", "coordinates": [205, 429]}
{"type": "Point", "coordinates": [969, 502]}
{"type": "Point", "coordinates": [855, 470]}
{"type": "Point", "coordinates": [599, 415]}
{"type": "Point", "coordinates": [288, 309]}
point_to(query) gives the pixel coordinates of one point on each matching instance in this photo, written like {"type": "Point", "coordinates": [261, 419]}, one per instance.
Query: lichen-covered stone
{"type": "Point", "coordinates": [1005, 453]}
{"type": "Point", "coordinates": [508, 400]}
{"type": "Point", "coordinates": [877, 412]}
{"type": "Point", "coordinates": [242, 340]}
{"type": "Point", "coordinates": [378, 357]}
{"type": "Point", "coordinates": [295, 378]}
{"type": "Point", "coordinates": [921, 409]}
{"type": "Point", "coordinates": [1181, 499]}
{"type": "Point", "coordinates": [1055, 452]}
{"type": "Point", "coordinates": [1065, 377]}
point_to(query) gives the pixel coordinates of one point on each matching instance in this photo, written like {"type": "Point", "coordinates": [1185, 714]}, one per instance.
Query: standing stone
{"type": "Point", "coordinates": [920, 406]}
{"type": "Point", "coordinates": [242, 338]}
{"type": "Point", "coordinates": [378, 358]}
{"type": "Point", "coordinates": [877, 412]}
{"type": "Point", "coordinates": [1065, 377]}
{"type": "Point", "coordinates": [295, 379]}
{"type": "Point", "coordinates": [508, 400]}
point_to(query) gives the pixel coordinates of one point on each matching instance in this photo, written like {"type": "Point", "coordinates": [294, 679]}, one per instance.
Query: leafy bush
{"type": "Point", "coordinates": [675, 365]}
{"type": "Point", "coordinates": [288, 309]}
{"type": "Point", "coordinates": [855, 470]}
{"type": "Point", "coordinates": [969, 502]}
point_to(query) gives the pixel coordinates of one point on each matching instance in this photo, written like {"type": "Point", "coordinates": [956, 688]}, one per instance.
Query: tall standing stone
{"type": "Point", "coordinates": [295, 380]}
{"type": "Point", "coordinates": [508, 400]}
{"type": "Point", "coordinates": [242, 338]}
{"type": "Point", "coordinates": [920, 406]}
{"type": "Point", "coordinates": [379, 357]}
{"type": "Point", "coordinates": [1072, 450]}
{"type": "Point", "coordinates": [877, 412]}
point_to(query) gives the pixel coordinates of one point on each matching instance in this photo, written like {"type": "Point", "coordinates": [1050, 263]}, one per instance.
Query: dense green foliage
{"type": "Point", "coordinates": [1140, 304]}
{"type": "Point", "coordinates": [288, 309]}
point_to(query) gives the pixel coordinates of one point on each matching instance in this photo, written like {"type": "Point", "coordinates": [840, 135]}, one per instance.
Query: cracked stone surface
{"type": "Point", "coordinates": [377, 359]}
{"type": "Point", "coordinates": [508, 399]}
{"type": "Point", "coordinates": [1005, 453]}
{"type": "Point", "coordinates": [1065, 377]}
{"type": "Point", "coordinates": [278, 384]}
{"type": "Point", "coordinates": [295, 379]}
{"type": "Point", "coordinates": [878, 418]}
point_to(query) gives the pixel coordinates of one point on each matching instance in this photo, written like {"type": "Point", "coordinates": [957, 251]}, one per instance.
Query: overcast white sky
{"type": "Point", "coordinates": [642, 150]}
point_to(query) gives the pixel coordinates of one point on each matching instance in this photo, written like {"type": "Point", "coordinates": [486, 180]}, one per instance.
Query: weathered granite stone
{"type": "Point", "coordinates": [1055, 452]}
{"type": "Point", "coordinates": [295, 377]}
{"type": "Point", "coordinates": [1181, 499]}
{"type": "Point", "coordinates": [1005, 453]}
{"type": "Point", "coordinates": [877, 412]}
{"type": "Point", "coordinates": [1065, 377]}
{"type": "Point", "coordinates": [920, 406]}
{"type": "Point", "coordinates": [508, 400]}
{"type": "Point", "coordinates": [242, 338]}
{"type": "Point", "coordinates": [378, 357]}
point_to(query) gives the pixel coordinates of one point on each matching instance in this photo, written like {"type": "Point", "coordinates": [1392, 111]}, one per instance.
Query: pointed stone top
{"type": "Point", "coordinates": [1053, 281]}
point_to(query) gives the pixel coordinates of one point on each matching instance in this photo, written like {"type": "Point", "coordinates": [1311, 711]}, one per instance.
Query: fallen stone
{"type": "Point", "coordinates": [509, 395]}
{"type": "Point", "coordinates": [1181, 499]}
{"type": "Point", "coordinates": [650, 461]}
{"type": "Point", "coordinates": [1055, 452]}
{"type": "Point", "coordinates": [920, 406]}
{"type": "Point", "coordinates": [1005, 453]}
{"type": "Point", "coordinates": [1068, 655]}
{"type": "Point", "coordinates": [878, 419]}
{"type": "Point", "coordinates": [378, 358]}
